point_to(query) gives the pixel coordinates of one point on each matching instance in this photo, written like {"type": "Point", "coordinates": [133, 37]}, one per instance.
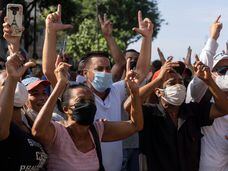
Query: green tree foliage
{"type": "Point", "coordinates": [87, 39]}
{"type": "Point", "coordinates": [123, 15]}
{"type": "Point", "coordinates": [71, 10]}
{"type": "Point", "coordinates": [86, 35]}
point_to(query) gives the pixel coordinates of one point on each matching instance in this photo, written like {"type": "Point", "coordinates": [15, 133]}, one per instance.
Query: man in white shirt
{"type": "Point", "coordinates": [109, 96]}
{"type": "Point", "coordinates": [214, 144]}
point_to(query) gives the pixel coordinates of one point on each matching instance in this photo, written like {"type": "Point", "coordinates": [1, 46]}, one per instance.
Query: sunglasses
{"type": "Point", "coordinates": [222, 70]}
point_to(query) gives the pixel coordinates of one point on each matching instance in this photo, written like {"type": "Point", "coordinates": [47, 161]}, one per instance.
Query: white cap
{"type": "Point", "coordinates": [21, 95]}
{"type": "Point", "coordinates": [219, 57]}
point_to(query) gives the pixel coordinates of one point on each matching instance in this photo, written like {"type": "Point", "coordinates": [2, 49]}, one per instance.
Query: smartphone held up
{"type": "Point", "coordinates": [14, 15]}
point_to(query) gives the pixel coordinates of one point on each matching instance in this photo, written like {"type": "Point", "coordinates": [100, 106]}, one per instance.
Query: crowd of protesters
{"type": "Point", "coordinates": [125, 116]}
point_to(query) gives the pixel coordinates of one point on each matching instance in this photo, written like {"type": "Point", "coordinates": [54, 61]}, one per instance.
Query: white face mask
{"type": "Point", "coordinates": [21, 95]}
{"type": "Point", "coordinates": [175, 94]}
{"type": "Point", "coordinates": [222, 81]}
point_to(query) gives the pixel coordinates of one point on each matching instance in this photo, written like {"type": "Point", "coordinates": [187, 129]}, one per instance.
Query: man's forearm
{"type": "Point", "coordinates": [13, 48]}
{"type": "Point", "coordinates": [49, 56]}
{"type": "Point", "coordinates": [118, 57]}
{"type": "Point", "coordinates": [136, 112]}
{"type": "Point", "coordinates": [220, 97]}
{"type": "Point", "coordinates": [6, 106]}
{"type": "Point", "coordinates": [143, 63]}
{"type": "Point", "coordinates": [208, 52]}
{"type": "Point", "coordinates": [145, 91]}
{"type": "Point", "coordinates": [197, 88]}
{"type": "Point", "coordinates": [115, 50]}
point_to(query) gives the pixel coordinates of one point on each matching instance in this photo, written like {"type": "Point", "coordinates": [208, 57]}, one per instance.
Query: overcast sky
{"type": "Point", "coordinates": [188, 24]}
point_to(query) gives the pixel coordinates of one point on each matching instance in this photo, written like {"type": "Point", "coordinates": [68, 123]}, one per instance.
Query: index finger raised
{"type": "Point", "coordinates": [128, 65]}
{"type": "Point", "coordinates": [100, 19]}
{"type": "Point", "coordinates": [139, 17]}
{"type": "Point", "coordinates": [218, 18]}
{"type": "Point", "coordinates": [59, 9]}
{"type": "Point", "coordinates": [197, 58]}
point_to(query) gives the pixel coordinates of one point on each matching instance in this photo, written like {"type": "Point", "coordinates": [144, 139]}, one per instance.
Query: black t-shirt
{"type": "Point", "coordinates": [167, 147]}
{"type": "Point", "coordinates": [20, 152]}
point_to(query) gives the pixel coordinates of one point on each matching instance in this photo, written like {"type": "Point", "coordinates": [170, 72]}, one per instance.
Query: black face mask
{"type": "Point", "coordinates": [84, 113]}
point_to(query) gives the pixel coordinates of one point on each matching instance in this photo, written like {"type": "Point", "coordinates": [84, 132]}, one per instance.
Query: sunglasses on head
{"type": "Point", "coordinates": [222, 70]}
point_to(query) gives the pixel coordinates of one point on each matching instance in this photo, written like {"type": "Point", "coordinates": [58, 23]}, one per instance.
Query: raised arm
{"type": "Point", "coordinates": [161, 56]}
{"type": "Point", "coordinates": [118, 57]}
{"type": "Point", "coordinates": [197, 88]}
{"type": "Point", "coordinates": [15, 68]}
{"type": "Point", "coordinates": [53, 25]}
{"type": "Point", "coordinates": [146, 30]}
{"type": "Point", "coordinates": [209, 50]}
{"type": "Point", "coordinates": [147, 90]}
{"type": "Point", "coordinates": [219, 108]}
{"type": "Point", "coordinates": [42, 128]}
{"type": "Point", "coordinates": [13, 41]}
{"type": "Point", "coordinates": [114, 131]}
{"type": "Point", "coordinates": [187, 59]}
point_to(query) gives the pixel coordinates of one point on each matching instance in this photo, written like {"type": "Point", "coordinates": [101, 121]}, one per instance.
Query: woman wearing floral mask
{"type": "Point", "coordinates": [73, 146]}
{"type": "Point", "coordinates": [171, 135]}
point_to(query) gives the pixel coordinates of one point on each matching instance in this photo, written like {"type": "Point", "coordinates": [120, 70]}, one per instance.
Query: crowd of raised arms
{"type": "Point", "coordinates": [128, 116]}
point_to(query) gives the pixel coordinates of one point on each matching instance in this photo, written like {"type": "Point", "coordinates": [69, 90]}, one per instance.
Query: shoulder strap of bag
{"type": "Point", "coordinates": [98, 146]}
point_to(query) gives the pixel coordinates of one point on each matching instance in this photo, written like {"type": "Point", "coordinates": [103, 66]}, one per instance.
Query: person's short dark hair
{"type": "Point", "coordinates": [187, 73]}
{"type": "Point", "coordinates": [95, 54]}
{"type": "Point", "coordinates": [156, 65]}
{"type": "Point", "coordinates": [180, 69]}
{"type": "Point", "coordinates": [63, 101]}
{"type": "Point", "coordinates": [187, 76]}
{"type": "Point", "coordinates": [92, 54]}
{"type": "Point", "coordinates": [131, 50]}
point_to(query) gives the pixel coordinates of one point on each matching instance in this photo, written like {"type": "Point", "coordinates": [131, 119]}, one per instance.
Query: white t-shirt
{"type": "Point", "coordinates": [214, 146]}
{"type": "Point", "coordinates": [110, 109]}
{"type": "Point", "coordinates": [80, 79]}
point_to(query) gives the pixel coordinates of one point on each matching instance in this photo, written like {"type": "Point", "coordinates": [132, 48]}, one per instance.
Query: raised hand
{"type": "Point", "coordinates": [61, 72]}
{"type": "Point", "coordinates": [167, 68]}
{"type": "Point", "coordinates": [216, 27]}
{"type": "Point", "coordinates": [131, 80]}
{"type": "Point", "coordinates": [187, 59]}
{"type": "Point", "coordinates": [161, 56]}
{"type": "Point", "coordinates": [146, 27]}
{"type": "Point", "coordinates": [61, 57]}
{"type": "Point", "coordinates": [54, 21]}
{"type": "Point", "coordinates": [106, 26]}
{"type": "Point", "coordinates": [15, 66]}
{"type": "Point", "coordinates": [7, 31]}
{"type": "Point", "coordinates": [202, 71]}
